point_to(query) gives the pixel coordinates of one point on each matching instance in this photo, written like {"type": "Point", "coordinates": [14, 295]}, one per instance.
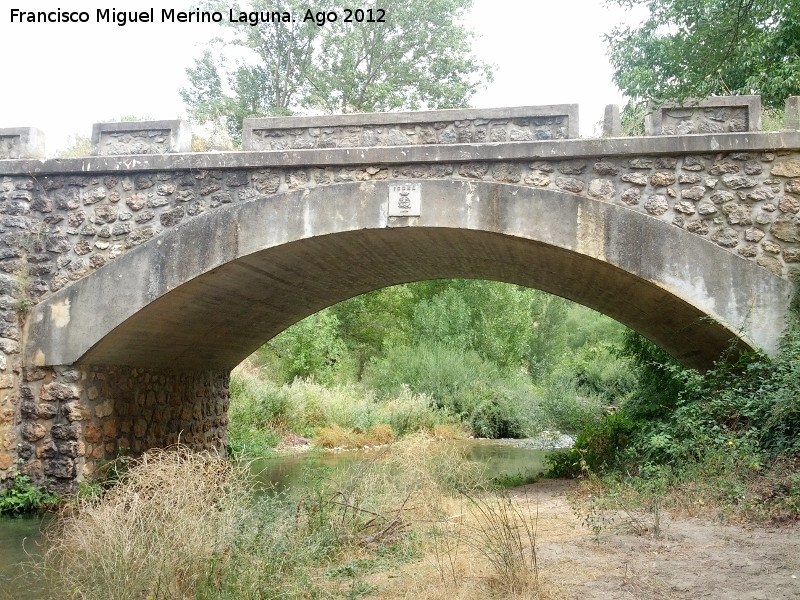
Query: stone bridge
{"type": "Point", "coordinates": [134, 280]}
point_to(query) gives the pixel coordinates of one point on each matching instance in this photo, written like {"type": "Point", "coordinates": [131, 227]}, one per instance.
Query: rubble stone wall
{"type": "Point", "coordinates": [73, 420]}
{"type": "Point", "coordinates": [56, 229]}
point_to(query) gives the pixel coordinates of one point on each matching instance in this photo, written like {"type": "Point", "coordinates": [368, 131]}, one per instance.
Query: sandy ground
{"type": "Point", "coordinates": [690, 558]}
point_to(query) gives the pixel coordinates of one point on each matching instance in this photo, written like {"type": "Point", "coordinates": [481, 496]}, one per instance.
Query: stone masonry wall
{"type": "Point", "coordinates": [56, 229]}
{"type": "Point", "coordinates": [141, 137]}
{"type": "Point", "coordinates": [72, 420]}
{"type": "Point", "coordinates": [718, 114]}
{"type": "Point", "coordinates": [452, 126]}
{"type": "Point", "coordinates": [682, 121]}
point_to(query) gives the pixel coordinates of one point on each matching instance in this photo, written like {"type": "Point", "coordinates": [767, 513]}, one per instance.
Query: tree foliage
{"type": "Point", "coordinates": [699, 48]}
{"type": "Point", "coordinates": [420, 57]}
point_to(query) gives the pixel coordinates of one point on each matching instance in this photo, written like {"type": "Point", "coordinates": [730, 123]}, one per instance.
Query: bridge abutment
{"type": "Point", "coordinates": [75, 419]}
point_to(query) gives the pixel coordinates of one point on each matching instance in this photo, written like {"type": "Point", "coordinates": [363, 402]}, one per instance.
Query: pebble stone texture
{"type": "Point", "coordinates": [58, 424]}
{"type": "Point", "coordinates": [522, 124]}
{"type": "Point", "coordinates": [141, 137]}
{"type": "Point", "coordinates": [727, 114]}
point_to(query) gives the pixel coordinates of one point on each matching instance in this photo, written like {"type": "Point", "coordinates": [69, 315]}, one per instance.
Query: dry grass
{"type": "Point", "coordinates": [446, 432]}
{"type": "Point", "coordinates": [505, 535]}
{"type": "Point", "coordinates": [333, 436]}
{"type": "Point", "coordinates": [153, 536]}
{"type": "Point", "coordinates": [184, 525]}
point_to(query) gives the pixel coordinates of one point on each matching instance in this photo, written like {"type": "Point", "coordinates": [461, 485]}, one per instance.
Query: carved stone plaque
{"type": "Point", "coordinates": [404, 199]}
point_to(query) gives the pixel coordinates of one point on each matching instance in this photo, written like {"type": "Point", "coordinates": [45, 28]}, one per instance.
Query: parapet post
{"type": "Point", "coordinates": [791, 119]}
{"type": "Point", "coordinates": [612, 124]}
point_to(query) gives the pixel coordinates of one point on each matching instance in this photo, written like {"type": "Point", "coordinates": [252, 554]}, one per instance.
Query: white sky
{"type": "Point", "coordinates": [61, 78]}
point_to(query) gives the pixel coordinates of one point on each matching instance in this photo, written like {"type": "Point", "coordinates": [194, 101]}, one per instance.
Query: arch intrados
{"type": "Point", "coordinates": [204, 336]}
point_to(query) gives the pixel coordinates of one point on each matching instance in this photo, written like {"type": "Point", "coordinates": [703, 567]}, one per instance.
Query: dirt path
{"type": "Point", "coordinates": [690, 559]}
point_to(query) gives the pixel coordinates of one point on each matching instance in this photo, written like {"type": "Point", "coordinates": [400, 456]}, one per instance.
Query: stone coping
{"type": "Point", "coordinates": [454, 153]}
{"type": "Point", "coordinates": [414, 117]}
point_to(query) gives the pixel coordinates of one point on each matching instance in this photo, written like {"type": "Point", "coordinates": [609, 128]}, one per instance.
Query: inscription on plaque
{"type": "Point", "coordinates": [404, 199]}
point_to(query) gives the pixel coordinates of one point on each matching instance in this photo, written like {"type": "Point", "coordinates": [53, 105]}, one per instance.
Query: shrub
{"type": "Point", "coordinates": [596, 448]}
{"type": "Point", "coordinates": [157, 534]}
{"type": "Point", "coordinates": [454, 380]}
{"type": "Point", "coordinates": [23, 497]}
{"type": "Point", "coordinates": [458, 384]}
{"type": "Point", "coordinates": [565, 407]}
{"type": "Point", "coordinates": [497, 419]}
{"type": "Point", "coordinates": [258, 410]}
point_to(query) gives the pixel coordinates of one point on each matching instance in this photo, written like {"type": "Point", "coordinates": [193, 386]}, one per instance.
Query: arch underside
{"type": "Point", "coordinates": [213, 290]}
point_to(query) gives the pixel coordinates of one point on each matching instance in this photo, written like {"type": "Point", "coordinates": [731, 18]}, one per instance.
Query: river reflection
{"type": "Point", "coordinates": [499, 457]}
{"type": "Point", "coordinates": [19, 544]}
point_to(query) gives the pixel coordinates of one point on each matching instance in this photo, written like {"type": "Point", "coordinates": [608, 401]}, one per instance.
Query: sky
{"type": "Point", "coordinates": [63, 77]}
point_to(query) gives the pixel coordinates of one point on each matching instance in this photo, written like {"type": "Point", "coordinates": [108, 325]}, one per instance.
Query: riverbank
{"type": "Point", "coordinates": [687, 558]}
{"type": "Point", "coordinates": [387, 530]}
{"type": "Point", "coordinates": [678, 557]}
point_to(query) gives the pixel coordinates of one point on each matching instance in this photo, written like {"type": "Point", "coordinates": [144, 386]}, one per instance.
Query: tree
{"type": "Point", "coordinates": [79, 146]}
{"type": "Point", "coordinates": [491, 318]}
{"type": "Point", "coordinates": [699, 48]}
{"type": "Point", "coordinates": [310, 348]}
{"type": "Point", "coordinates": [418, 57]}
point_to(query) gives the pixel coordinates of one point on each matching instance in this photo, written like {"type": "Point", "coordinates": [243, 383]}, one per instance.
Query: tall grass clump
{"type": "Point", "coordinates": [378, 499]}
{"type": "Point", "coordinates": [504, 533]}
{"type": "Point", "coordinates": [187, 525]}
{"type": "Point", "coordinates": [157, 534]}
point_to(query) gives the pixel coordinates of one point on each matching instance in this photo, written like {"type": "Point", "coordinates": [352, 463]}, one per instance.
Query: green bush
{"type": "Point", "coordinates": [497, 418]}
{"type": "Point", "coordinates": [25, 498]}
{"type": "Point", "coordinates": [565, 407]}
{"type": "Point", "coordinates": [596, 448]}
{"type": "Point", "coordinates": [258, 410]}
{"type": "Point", "coordinates": [455, 381]}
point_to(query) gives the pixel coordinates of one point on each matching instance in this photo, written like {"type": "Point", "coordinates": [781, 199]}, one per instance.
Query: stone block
{"type": "Point", "coordinates": [6, 460]}
{"type": "Point", "coordinates": [141, 137]}
{"type": "Point", "coordinates": [612, 124]}
{"type": "Point", "coordinates": [791, 119]}
{"type": "Point", "coordinates": [718, 114]}
{"type": "Point", "coordinates": [21, 142]}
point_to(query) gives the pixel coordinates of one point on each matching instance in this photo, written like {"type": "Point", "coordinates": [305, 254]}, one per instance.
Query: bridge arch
{"type": "Point", "coordinates": [207, 292]}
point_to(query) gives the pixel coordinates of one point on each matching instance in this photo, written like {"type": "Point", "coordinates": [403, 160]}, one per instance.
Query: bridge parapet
{"type": "Point", "coordinates": [141, 137]}
{"type": "Point", "coordinates": [460, 126]}
{"type": "Point", "coordinates": [21, 142]}
{"type": "Point", "coordinates": [722, 114]}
